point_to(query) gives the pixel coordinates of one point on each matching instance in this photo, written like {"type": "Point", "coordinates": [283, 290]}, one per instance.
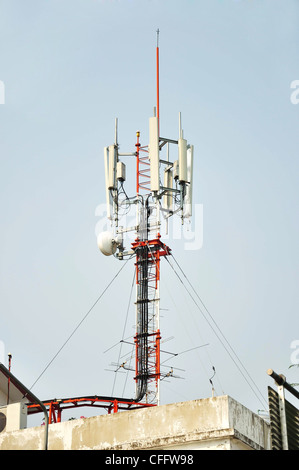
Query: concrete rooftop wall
{"type": "Point", "coordinates": [213, 423]}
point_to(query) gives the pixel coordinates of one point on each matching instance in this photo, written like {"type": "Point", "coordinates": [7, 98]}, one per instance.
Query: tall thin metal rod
{"type": "Point", "coordinates": [137, 145]}
{"type": "Point", "coordinates": [116, 132]}
{"type": "Point", "coordinates": [8, 383]}
{"type": "Point", "coordinates": [158, 97]}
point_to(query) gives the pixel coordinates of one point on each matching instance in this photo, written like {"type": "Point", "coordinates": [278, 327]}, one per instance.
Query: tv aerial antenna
{"type": "Point", "coordinates": [163, 188]}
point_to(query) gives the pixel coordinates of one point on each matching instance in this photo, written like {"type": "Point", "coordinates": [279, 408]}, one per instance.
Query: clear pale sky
{"type": "Point", "coordinates": [70, 67]}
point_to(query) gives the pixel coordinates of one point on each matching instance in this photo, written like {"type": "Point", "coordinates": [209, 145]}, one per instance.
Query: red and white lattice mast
{"type": "Point", "coordinates": [163, 189]}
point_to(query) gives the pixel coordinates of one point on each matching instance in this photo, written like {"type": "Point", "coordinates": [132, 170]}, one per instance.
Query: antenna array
{"type": "Point", "coordinates": [163, 186]}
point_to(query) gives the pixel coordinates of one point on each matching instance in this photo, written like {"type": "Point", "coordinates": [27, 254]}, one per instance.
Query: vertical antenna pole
{"type": "Point", "coordinates": [180, 126]}
{"type": "Point", "coordinates": [116, 132]}
{"type": "Point", "coordinates": [8, 383]}
{"type": "Point", "coordinates": [157, 60]}
{"type": "Point", "coordinates": [137, 145]}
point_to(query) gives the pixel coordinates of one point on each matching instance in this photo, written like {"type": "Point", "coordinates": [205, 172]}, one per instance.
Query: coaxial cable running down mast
{"type": "Point", "coordinates": [163, 187]}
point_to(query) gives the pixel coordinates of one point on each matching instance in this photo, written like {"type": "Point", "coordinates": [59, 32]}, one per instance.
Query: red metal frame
{"type": "Point", "coordinates": [143, 177]}
{"type": "Point", "coordinates": [55, 407]}
{"type": "Point", "coordinates": [155, 254]}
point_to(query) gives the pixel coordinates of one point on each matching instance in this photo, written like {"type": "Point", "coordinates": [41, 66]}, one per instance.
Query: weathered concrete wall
{"type": "Point", "coordinates": [247, 424]}
{"type": "Point", "coordinates": [214, 423]}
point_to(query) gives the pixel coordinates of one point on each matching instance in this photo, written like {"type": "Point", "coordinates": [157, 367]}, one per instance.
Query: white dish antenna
{"type": "Point", "coordinates": [107, 243]}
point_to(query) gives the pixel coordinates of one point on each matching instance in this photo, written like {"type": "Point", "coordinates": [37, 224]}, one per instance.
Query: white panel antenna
{"type": "Point", "coordinates": [168, 183]}
{"type": "Point", "coordinates": [108, 194]}
{"type": "Point", "coordinates": [112, 167]}
{"type": "Point", "coordinates": [182, 160]}
{"type": "Point", "coordinates": [189, 186]}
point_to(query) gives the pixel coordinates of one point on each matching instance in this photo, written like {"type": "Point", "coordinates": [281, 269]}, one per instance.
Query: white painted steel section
{"type": "Point", "coordinates": [283, 418]}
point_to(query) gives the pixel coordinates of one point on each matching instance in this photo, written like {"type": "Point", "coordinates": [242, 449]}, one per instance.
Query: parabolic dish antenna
{"type": "Point", "coordinates": [106, 243]}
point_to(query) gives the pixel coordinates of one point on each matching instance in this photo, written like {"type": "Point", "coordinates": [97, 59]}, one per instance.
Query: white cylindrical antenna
{"type": "Point", "coordinates": [176, 169]}
{"type": "Point", "coordinates": [112, 167]}
{"type": "Point", "coordinates": [182, 143]}
{"type": "Point", "coordinates": [189, 186]}
{"type": "Point", "coordinates": [168, 183]}
{"type": "Point", "coordinates": [182, 160]}
{"type": "Point", "coordinates": [153, 149]}
{"type": "Point", "coordinates": [121, 171]}
{"type": "Point", "coordinates": [106, 163]}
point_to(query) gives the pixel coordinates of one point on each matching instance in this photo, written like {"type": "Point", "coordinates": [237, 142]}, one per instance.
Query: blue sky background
{"type": "Point", "coordinates": [69, 68]}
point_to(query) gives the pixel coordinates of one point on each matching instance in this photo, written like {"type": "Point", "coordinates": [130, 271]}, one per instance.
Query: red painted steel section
{"type": "Point", "coordinates": [156, 249]}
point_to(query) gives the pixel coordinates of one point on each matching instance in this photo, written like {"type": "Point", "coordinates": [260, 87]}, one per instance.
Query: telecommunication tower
{"type": "Point", "coordinates": [163, 189]}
